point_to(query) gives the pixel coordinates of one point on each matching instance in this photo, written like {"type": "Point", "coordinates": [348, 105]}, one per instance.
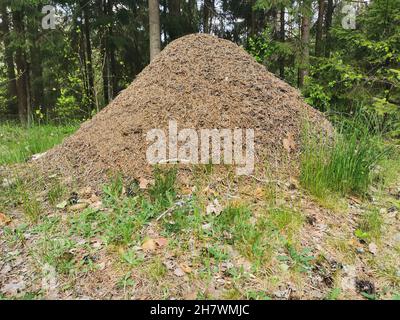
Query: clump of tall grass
{"type": "Point", "coordinates": [342, 165]}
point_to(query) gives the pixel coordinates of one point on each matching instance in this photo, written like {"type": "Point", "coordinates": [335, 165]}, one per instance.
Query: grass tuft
{"type": "Point", "coordinates": [18, 144]}
{"type": "Point", "coordinates": [345, 166]}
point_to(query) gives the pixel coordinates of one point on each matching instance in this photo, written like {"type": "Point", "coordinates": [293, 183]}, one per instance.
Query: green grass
{"type": "Point", "coordinates": [18, 144]}
{"type": "Point", "coordinates": [342, 166]}
{"type": "Point", "coordinates": [370, 227]}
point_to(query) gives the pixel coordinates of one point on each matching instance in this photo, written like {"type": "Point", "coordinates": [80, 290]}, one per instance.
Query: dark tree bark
{"type": "Point", "coordinates": [319, 28]}
{"type": "Point", "coordinates": [36, 69]}
{"type": "Point", "coordinates": [88, 53]}
{"type": "Point", "coordinates": [23, 96]}
{"type": "Point", "coordinates": [305, 42]}
{"type": "Point", "coordinates": [9, 62]}
{"type": "Point", "coordinates": [282, 39]}
{"type": "Point", "coordinates": [208, 11]}
{"type": "Point", "coordinates": [175, 27]}
{"type": "Point", "coordinates": [328, 24]}
{"type": "Point", "coordinates": [113, 63]}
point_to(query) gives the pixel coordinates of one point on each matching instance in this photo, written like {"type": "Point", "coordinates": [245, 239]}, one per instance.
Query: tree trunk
{"type": "Point", "coordinates": [328, 24]}
{"type": "Point", "coordinates": [175, 27]}
{"type": "Point", "coordinates": [105, 54]}
{"type": "Point", "coordinates": [253, 28]}
{"type": "Point", "coordinates": [155, 36]}
{"type": "Point", "coordinates": [208, 11]}
{"type": "Point", "coordinates": [320, 26]}
{"type": "Point", "coordinates": [36, 69]}
{"type": "Point", "coordinates": [88, 52]}
{"type": "Point", "coordinates": [22, 70]}
{"type": "Point", "coordinates": [282, 39]}
{"type": "Point", "coordinates": [305, 39]}
{"type": "Point", "coordinates": [9, 62]}
{"type": "Point", "coordinates": [111, 47]}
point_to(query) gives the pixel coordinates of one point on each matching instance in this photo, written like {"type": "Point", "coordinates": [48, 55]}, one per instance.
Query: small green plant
{"type": "Point", "coordinates": [251, 238]}
{"type": "Point", "coordinates": [31, 207]}
{"type": "Point", "coordinates": [342, 166]}
{"type": "Point", "coordinates": [257, 295]}
{"type": "Point", "coordinates": [125, 282]}
{"type": "Point", "coordinates": [56, 251]}
{"type": "Point", "coordinates": [114, 190]}
{"type": "Point", "coordinates": [163, 191]}
{"type": "Point", "coordinates": [300, 260]}
{"type": "Point", "coordinates": [131, 258]}
{"type": "Point", "coordinates": [218, 253]}
{"type": "Point", "coordinates": [56, 192]}
{"type": "Point", "coordinates": [156, 270]}
{"type": "Point", "coordinates": [370, 226]}
{"type": "Point", "coordinates": [287, 221]}
{"type": "Point", "coordinates": [333, 294]}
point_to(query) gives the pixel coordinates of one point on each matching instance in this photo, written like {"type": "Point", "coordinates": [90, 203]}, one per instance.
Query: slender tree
{"type": "Point", "coordinates": [328, 24]}
{"type": "Point", "coordinates": [9, 61]}
{"type": "Point", "coordinates": [23, 95]}
{"type": "Point", "coordinates": [319, 28]}
{"type": "Point", "coordinates": [208, 11]}
{"type": "Point", "coordinates": [155, 36]}
{"type": "Point", "coordinates": [305, 41]}
{"type": "Point", "coordinates": [88, 52]}
{"type": "Point", "coordinates": [282, 39]}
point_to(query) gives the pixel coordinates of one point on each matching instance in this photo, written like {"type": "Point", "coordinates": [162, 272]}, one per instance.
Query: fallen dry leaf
{"type": "Point", "coordinates": [4, 220]}
{"type": "Point", "coordinates": [373, 248]}
{"type": "Point", "coordinates": [62, 205]}
{"type": "Point", "coordinates": [161, 242]}
{"type": "Point", "coordinates": [149, 245]}
{"type": "Point", "coordinates": [179, 272]}
{"type": "Point", "coordinates": [143, 183]}
{"type": "Point", "coordinates": [289, 143]}
{"type": "Point", "coordinates": [78, 206]}
{"type": "Point", "coordinates": [259, 193]}
{"type": "Point", "coordinates": [185, 268]}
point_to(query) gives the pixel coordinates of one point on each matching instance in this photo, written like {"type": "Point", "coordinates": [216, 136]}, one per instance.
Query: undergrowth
{"type": "Point", "coordinates": [344, 165]}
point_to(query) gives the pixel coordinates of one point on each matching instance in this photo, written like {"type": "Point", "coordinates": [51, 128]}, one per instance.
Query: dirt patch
{"type": "Point", "coordinates": [199, 81]}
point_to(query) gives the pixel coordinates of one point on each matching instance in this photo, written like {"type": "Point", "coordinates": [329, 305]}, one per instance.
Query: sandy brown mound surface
{"type": "Point", "coordinates": [201, 82]}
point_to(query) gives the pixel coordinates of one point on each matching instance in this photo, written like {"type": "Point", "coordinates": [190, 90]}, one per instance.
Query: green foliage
{"type": "Point", "coordinates": [363, 70]}
{"type": "Point", "coordinates": [18, 144]}
{"type": "Point", "coordinates": [299, 260]}
{"type": "Point", "coordinates": [370, 227]}
{"type": "Point", "coordinates": [342, 166]}
{"type": "Point", "coordinates": [163, 191]}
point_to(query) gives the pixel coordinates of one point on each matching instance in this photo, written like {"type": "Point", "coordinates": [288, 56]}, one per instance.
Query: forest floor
{"type": "Point", "coordinates": [208, 235]}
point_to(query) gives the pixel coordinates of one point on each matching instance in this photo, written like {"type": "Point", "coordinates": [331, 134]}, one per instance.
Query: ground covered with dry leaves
{"type": "Point", "coordinates": [204, 234]}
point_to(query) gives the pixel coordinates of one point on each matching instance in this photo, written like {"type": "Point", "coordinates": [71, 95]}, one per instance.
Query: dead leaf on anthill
{"type": "Point", "coordinates": [186, 190]}
{"type": "Point", "coordinates": [143, 183]}
{"type": "Point", "coordinates": [373, 248]}
{"type": "Point", "coordinates": [149, 245]}
{"type": "Point", "coordinates": [259, 193]}
{"type": "Point", "coordinates": [185, 268]}
{"type": "Point", "coordinates": [288, 143]}
{"type": "Point", "coordinates": [179, 272]}
{"type": "Point", "coordinates": [161, 242]}
{"type": "Point", "coordinates": [78, 207]}
{"type": "Point", "coordinates": [4, 220]}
